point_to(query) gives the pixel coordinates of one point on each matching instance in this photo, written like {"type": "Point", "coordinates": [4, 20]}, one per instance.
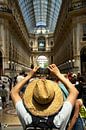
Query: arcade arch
{"type": "Point", "coordinates": [83, 60]}
{"type": "Point", "coordinates": [1, 68]}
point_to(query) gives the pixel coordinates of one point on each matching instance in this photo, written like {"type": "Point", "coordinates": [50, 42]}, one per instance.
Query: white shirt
{"type": "Point", "coordinates": [19, 78]}
{"type": "Point", "coordinates": [61, 119]}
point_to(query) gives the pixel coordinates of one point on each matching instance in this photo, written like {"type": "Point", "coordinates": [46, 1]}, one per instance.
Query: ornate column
{"type": "Point", "coordinates": [76, 46]}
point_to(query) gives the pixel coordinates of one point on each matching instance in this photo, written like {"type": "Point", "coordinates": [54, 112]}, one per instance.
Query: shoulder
{"type": "Point", "coordinates": [19, 103]}
{"type": "Point", "coordinates": [65, 110]}
{"type": "Point", "coordinates": [63, 116]}
{"type": "Point", "coordinates": [20, 108]}
{"type": "Point", "coordinates": [67, 106]}
{"type": "Point", "coordinates": [79, 102]}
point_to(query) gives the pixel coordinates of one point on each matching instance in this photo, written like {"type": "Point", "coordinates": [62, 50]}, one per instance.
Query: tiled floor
{"type": "Point", "coordinates": [9, 119]}
{"type": "Point", "coordinates": [12, 128]}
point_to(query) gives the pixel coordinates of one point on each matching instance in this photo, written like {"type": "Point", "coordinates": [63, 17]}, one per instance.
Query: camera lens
{"type": "Point", "coordinates": [43, 71]}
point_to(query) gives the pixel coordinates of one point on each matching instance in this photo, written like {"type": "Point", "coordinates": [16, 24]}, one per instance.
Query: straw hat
{"type": "Point", "coordinates": [43, 97]}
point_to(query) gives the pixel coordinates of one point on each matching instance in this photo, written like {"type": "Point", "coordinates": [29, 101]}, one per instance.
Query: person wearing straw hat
{"type": "Point", "coordinates": [43, 104]}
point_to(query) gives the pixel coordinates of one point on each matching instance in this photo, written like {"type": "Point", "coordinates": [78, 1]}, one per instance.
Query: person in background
{"type": "Point", "coordinates": [78, 75]}
{"type": "Point", "coordinates": [61, 117]}
{"type": "Point", "coordinates": [82, 88]}
{"type": "Point", "coordinates": [19, 78]}
{"type": "Point", "coordinates": [4, 94]}
{"type": "Point", "coordinates": [76, 122]}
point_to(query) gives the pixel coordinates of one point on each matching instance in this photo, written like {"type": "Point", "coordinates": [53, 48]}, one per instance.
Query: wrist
{"type": "Point", "coordinates": [30, 74]}
{"type": "Point", "coordinates": [59, 75]}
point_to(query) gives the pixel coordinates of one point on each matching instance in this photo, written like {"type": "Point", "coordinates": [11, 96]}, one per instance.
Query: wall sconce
{"type": "Point", "coordinates": [8, 62]}
{"type": "Point", "coordinates": [12, 62]}
{"type": "Point", "coordinates": [69, 61]}
{"type": "Point", "coordinates": [73, 60]}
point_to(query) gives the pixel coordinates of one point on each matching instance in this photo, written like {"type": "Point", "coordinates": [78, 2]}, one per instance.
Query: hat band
{"type": "Point", "coordinates": [45, 102]}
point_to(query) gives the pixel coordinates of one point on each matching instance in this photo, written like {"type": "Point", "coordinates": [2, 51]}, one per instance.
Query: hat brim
{"type": "Point", "coordinates": [43, 110]}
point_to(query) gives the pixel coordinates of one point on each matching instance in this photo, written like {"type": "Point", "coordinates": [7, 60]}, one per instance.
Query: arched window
{"type": "Point", "coordinates": [0, 63]}
{"type": "Point", "coordinates": [31, 43]}
{"type": "Point", "coordinates": [84, 32]}
{"type": "Point", "coordinates": [83, 60]}
{"type": "Point", "coordinates": [51, 43]}
{"type": "Point", "coordinates": [41, 44]}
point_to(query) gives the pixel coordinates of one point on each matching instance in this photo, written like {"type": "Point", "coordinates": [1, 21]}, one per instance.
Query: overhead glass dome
{"type": "Point", "coordinates": [40, 13]}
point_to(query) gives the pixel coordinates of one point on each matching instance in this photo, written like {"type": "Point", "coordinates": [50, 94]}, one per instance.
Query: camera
{"type": "Point", "coordinates": [43, 71]}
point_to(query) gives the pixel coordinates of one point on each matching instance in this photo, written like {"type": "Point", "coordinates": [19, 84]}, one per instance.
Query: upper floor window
{"type": "Point", "coordinates": [41, 44]}
{"type": "Point", "coordinates": [51, 43]}
{"type": "Point", "coordinates": [31, 45]}
{"type": "Point", "coordinates": [84, 32]}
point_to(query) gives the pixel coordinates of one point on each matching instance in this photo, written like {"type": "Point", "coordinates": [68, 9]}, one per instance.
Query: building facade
{"type": "Point", "coordinates": [18, 48]}
{"type": "Point", "coordinates": [14, 39]}
{"type": "Point", "coordinates": [70, 37]}
{"type": "Point", "coordinates": [41, 45]}
{"type": "Point", "coordinates": [66, 47]}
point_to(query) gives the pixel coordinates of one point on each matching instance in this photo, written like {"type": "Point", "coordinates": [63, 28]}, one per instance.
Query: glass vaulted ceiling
{"type": "Point", "coordinates": [40, 15]}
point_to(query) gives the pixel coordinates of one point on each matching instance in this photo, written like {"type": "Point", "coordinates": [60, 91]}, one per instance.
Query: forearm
{"type": "Point", "coordinates": [18, 86]}
{"type": "Point", "coordinates": [53, 68]}
{"type": "Point", "coordinates": [72, 122]}
{"type": "Point", "coordinates": [66, 82]}
{"type": "Point", "coordinates": [73, 93]}
{"type": "Point", "coordinates": [75, 116]}
{"type": "Point", "coordinates": [16, 89]}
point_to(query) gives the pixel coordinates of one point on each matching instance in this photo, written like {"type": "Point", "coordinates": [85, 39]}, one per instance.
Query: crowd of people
{"type": "Point", "coordinates": [65, 116]}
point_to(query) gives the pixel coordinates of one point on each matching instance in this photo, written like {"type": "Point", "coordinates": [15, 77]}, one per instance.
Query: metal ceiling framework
{"type": "Point", "coordinates": [40, 13]}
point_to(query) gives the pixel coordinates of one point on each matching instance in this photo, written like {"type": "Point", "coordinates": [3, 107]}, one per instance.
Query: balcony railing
{"type": "Point", "coordinates": [5, 9]}
{"type": "Point", "coordinates": [84, 38]}
{"type": "Point", "coordinates": [77, 5]}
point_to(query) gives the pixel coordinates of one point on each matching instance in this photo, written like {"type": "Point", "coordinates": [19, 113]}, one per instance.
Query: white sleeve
{"type": "Point", "coordinates": [22, 113]}
{"type": "Point", "coordinates": [61, 119]}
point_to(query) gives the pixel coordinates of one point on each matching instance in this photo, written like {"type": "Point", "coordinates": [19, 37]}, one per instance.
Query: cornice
{"type": "Point", "coordinates": [41, 53]}
{"type": "Point", "coordinates": [78, 12]}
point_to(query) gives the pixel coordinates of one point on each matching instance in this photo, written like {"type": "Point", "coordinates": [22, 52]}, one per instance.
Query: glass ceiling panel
{"type": "Point", "coordinates": [40, 13]}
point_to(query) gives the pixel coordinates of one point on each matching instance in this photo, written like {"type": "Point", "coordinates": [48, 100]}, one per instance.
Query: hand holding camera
{"type": "Point", "coordinates": [44, 71]}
